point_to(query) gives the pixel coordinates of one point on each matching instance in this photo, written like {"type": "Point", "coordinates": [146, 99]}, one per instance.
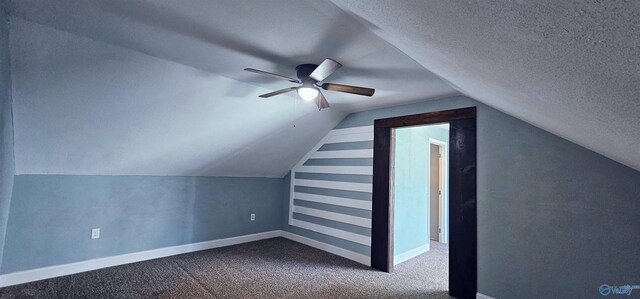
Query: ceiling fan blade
{"type": "Point", "coordinates": [325, 69]}
{"type": "Point", "coordinates": [277, 92]}
{"type": "Point", "coordinates": [363, 91]}
{"type": "Point", "coordinates": [272, 74]}
{"type": "Point", "coordinates": [321, 102]}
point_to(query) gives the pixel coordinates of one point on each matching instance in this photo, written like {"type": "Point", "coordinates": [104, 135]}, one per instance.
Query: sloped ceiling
{"type": "Point", "coordinates": [85, 107]}
{"type": "Point", "coordinates": [223, 37]}
{"type": "Point", "coordinates": [157, 87]}
{"type": "Point", "coordinates": [570, 67]}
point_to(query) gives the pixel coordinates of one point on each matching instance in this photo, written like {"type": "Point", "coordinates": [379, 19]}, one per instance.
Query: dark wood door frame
{"type": "Point", "coordinates": [462, 195]}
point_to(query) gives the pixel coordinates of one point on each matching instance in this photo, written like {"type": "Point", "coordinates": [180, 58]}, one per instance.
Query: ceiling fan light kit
{"type": "Point", "coordinates": [309, 75]}
{"type": "Point", "coordinates": [308, 93]}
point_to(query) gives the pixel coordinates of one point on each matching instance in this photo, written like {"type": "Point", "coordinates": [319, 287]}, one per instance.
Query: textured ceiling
{"type": "Point", "coordinates": [570, 67]}
{"type": "Point", "coordinates": [224, 37]}
{"type": "Point", "coordinates": [88, 108]}
{"type": "Point", "coordinates": [85, 103]}
{"type": "Point", "coordinates": [157, 87]}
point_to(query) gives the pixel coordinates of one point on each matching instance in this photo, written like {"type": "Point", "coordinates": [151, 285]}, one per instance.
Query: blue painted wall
{"type": "Point", "coordinates": [7, 166]}
{"type": "Point", "coordinates": [52, 215]}
{"type": "Point", "coordinates": [555, 220]}
{"type": "Point", "coordinates": [411, 203]}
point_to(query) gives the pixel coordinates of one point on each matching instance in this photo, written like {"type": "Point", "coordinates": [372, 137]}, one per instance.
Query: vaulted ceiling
{"type": "Point", "coordinates": [157, 87]}
{"type": "Point", "coordinates": [569, 67]}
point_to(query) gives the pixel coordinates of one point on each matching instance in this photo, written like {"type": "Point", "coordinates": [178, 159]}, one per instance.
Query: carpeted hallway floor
{"type": "Point", "coordinates": [273, 268]}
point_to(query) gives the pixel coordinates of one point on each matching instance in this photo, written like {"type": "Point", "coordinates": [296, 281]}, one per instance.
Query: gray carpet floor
{"type": "Point", "coordinates": [273, 268]}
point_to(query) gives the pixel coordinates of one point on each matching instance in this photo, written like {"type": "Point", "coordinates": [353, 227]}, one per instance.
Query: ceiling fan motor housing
{"type": "Point", "coordinates": [304, 70]}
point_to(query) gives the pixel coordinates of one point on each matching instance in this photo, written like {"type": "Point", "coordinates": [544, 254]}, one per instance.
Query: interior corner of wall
{"type": "Point", "coordinates": [4, 219]}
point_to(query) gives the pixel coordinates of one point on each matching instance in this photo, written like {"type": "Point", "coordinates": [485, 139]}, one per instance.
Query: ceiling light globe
{"type": "Point", "coordinates": [308, 93]}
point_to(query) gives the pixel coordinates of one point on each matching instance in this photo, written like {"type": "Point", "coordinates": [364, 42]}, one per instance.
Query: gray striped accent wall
{"type": "Point", "coordinates": [331, 191]}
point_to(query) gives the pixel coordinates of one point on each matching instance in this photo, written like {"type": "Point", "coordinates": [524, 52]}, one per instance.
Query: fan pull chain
{"type": "Point", "coordinates": [295, 110]}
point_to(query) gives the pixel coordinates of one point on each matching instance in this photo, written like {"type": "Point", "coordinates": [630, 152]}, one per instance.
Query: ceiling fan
{"type": "Point", "coordinates": [309, 75]}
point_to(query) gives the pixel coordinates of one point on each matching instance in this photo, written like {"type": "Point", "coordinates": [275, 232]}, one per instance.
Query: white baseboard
{"type": "Point", "coordinates": [400, 258]}
{"type": "Point", "coordinates": [354, 256]}
{"type": "Point", "coordinates": [94, 264]}
{"type": "Point", "coordinates": [99, 263]}
{"type": "Point", "coordinates": [483, 296]}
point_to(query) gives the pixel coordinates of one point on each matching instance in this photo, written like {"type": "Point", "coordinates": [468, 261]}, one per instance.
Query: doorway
{"type": "Point", "coordinates": [418, 193]}
{"type": "Point", "coordinates": [462, 195]}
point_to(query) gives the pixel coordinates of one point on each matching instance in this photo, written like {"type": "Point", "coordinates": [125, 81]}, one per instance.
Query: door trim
{"type": "Point", "coordinates": [462, 195]}
{"type": "Point", "coordinates": [443, 204]}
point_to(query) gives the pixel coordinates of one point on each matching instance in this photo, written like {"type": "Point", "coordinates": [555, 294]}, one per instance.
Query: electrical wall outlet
{"type": "Point", "coordinates": [95, 233]}
{"type": "Point", "coordinates": [253, 217]}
